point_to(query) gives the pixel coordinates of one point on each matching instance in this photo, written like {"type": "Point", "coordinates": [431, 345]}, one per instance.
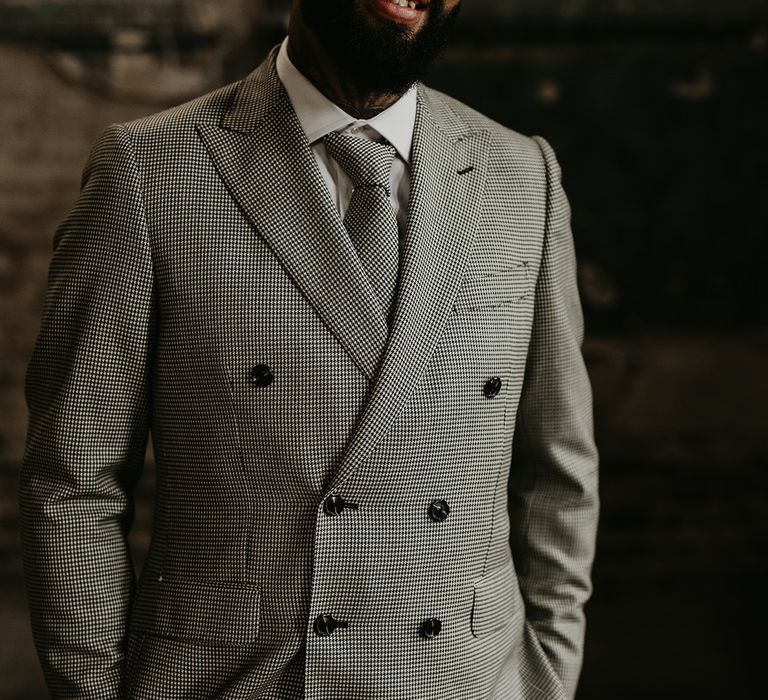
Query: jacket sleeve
{"type": "Point", "coordinates": [86, 389]}
{"type": "Point", "coordinates": [553, 499]}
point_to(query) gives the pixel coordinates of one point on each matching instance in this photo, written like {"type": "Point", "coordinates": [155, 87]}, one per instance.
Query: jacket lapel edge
{"type": "Point", "coordinates": [264, 160]}
{"type": "Point", "coordinates": [448, 178]}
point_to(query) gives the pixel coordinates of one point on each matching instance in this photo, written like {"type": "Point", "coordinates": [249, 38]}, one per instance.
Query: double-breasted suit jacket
{"type": "Point", "coordinates": [342, 511]}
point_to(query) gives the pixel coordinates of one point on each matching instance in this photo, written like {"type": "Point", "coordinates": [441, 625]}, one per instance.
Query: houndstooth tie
{"type": "Point", "coordinates": [370, 219]}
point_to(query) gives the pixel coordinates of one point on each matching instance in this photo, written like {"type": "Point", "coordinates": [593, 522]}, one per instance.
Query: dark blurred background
{"type": "Point", "coordinates": [658, 111]}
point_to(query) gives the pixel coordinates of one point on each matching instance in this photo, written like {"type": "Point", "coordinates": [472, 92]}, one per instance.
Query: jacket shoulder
{"type": "Point", "coordinates": [468, 118]}
{"type": "Point", "coordinates": [206, 109]}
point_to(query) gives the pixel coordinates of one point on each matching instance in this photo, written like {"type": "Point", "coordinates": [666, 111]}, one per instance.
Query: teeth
{"type": "Point", "coordinates": [404, 3]}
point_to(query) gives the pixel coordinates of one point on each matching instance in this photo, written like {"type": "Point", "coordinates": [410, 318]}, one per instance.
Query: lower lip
{"type": "Point", "coordinates": [396, 13]}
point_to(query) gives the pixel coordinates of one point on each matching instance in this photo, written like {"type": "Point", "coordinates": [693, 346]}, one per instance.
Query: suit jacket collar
{"type": "Point", "coordinates": [263, 157]}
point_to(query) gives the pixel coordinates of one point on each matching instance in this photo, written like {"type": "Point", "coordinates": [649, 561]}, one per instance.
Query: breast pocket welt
{"type": "Point", "coordinates": [486, 291]}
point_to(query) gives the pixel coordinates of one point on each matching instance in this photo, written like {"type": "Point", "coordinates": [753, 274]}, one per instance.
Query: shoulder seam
{"type": "Point", "coordinates": [139, 182]}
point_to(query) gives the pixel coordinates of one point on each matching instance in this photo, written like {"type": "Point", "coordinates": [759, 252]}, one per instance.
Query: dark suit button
{"type": "Point", "coordinates": [492, 387]}
{"type": "Point", "coordinates": [439, 510]}
{"type": "Point", "coordinates": [335, 504]}
{"type": "Point", "coordinates": [430, 628]}
{"type": "Point", "coordinates": [261, 375]}
{"type": "Point", "coordinates": [326, 625]}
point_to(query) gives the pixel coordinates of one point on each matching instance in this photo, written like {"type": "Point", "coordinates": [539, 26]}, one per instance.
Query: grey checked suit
{"type": "Point", "coordinates": [203, 288]}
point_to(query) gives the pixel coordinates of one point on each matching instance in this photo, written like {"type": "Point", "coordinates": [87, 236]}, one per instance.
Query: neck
{"type": "Point", "coordinates": [311, 58]}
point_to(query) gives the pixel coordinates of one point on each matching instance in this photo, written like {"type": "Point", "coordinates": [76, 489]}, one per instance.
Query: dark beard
{"type": "Point", "coordinates": [387, 58]}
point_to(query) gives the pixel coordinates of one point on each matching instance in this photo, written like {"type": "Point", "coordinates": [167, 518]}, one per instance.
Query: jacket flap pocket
{"type": "Point", "coordinates": [205, 612]}
{"type": "Point", "coordinates": [484, 291]}
{"type": "Point", "coordinates": [497, 601]}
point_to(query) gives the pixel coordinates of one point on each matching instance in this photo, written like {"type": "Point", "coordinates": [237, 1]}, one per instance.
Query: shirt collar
{"type": "Point", "coordinates": [319, 116]}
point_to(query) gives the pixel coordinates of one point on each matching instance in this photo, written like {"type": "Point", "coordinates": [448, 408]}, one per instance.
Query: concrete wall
{"type": "Point", "coordinates": [657, 110]}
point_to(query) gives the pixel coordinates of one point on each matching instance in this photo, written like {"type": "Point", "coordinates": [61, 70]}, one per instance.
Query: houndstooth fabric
{"type": "Point", "coordinates": [370, 219]}
{"type": "Point", "coordinates": [203, 289]}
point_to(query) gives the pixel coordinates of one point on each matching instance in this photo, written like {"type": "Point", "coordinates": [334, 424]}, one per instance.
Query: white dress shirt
{"type": "Point", "coordinates": [319, 116]}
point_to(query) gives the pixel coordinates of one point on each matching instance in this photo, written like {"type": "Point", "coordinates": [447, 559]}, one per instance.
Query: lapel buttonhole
{"type": "Point", "coordinates": [466, 170]}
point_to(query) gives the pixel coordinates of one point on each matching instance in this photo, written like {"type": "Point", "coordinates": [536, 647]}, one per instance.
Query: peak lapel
{"type": "Point", "coordinates": [448, 164]}
{"type": "Point", "coordinates": [263, 157]}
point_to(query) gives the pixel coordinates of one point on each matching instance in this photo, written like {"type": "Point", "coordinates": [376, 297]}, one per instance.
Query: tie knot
{"type": "Point", "coordinates": [367, 163]}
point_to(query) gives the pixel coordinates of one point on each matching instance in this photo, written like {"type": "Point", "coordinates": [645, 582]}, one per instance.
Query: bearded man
{"type": "Point", "coordinates": [345, 307]}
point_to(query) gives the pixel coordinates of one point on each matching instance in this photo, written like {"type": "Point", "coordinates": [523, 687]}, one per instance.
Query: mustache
{"type": "Point", "coordinates": [384, 56]}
